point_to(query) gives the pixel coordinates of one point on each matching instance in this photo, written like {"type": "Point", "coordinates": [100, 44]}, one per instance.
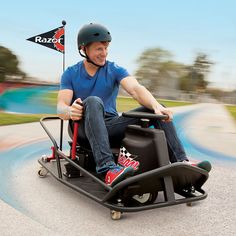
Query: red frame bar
{"type": "Point", "coordinates": [74, 141]}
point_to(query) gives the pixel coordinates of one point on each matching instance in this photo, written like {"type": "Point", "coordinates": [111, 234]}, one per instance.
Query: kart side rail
{"type": "Point", "coordinates": [157, 176]}
{"type": "Point", "coordinates": [60, 155]}
{"type": "Point", "coordinates": [171, 179]}
{"type": "Point", "coordinates": [172, 170]}
{"type": "Point", "coordinates": [171, 185]}
{"type": "Point", "coordinates": [47, 131]}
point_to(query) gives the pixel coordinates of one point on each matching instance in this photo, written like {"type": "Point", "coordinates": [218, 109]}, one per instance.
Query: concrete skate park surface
{"type": "Point", "coordinates": [34, 206]}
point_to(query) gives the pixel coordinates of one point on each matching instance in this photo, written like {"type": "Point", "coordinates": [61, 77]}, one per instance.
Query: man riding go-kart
{"type": "Point", "coordinates": [88, 93]}
{"type": "Point", "coordinates": [141, 168]}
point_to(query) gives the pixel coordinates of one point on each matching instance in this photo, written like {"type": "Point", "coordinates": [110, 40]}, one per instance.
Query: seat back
{"type": "Point", "coordinates": [149, 145]}
{"type": "Point", "coordinates": [115, 145]}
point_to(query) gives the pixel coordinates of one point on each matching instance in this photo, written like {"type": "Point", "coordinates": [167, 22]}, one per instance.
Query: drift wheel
{"type": "Point", "coordinates": [145, 198]}
{"type": "Point", "coordinates": [115, 215]}
{"type": "Point", "coordinates": [141, 200]}
{"type": "Point", "coordinates": [42, 172]}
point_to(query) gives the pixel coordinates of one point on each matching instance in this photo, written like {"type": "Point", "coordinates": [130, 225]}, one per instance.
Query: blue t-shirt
{"type": "Point", "coordinates": [104, 84]}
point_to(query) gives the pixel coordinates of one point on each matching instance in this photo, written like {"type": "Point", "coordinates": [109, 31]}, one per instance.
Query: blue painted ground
{"type": "Point", "coordinates": [27, 100]}
{"type": "Point", "coordinates": [196, 150]}
{"type": "Point", "coordinates": [13, 159]}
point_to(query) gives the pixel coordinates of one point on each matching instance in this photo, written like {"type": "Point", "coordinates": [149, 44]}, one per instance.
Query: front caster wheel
{"type": "Point", "coordinates": [115, 215]}
{"type": "Point", "coordinates": [189, 204]}
{"type": "Point", "coordinates": [42, 173]}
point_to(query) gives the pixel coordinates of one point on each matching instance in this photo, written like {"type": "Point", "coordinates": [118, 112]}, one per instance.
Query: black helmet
{"type": "Point", "coordinates": [92, 33]}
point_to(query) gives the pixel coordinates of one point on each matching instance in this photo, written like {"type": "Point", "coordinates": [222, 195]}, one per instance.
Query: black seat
{"type": "Point", "coordinates": [84, 143]}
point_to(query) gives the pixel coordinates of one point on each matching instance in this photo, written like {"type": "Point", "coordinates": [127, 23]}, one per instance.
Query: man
{"type": "Point", "coordinates": [88, 94]}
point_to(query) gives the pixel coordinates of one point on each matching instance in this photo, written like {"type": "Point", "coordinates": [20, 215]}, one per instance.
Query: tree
{"type": "Point", "coordinates": [156, 67]}
{"type": "Point", "coordinates": [201, 68]}
{"type": "Point", "coordinates": [196, 78]}
{"type": "Point", "coordinates": [9, 64]}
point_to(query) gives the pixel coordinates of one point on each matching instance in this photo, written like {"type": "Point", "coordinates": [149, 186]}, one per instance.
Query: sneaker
{"type": "Point", "coordinates": [118, 174]}
{"type": "Point", "coordinates": [205, 165]}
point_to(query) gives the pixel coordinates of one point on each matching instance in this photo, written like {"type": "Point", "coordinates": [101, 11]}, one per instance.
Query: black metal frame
{"type": "Point", "coordinates": [165, 175]}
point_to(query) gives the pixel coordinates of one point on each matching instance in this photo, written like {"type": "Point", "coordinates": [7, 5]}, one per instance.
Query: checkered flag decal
{"type": "Point", "coordinates": [127, 159]}
{"type": "Point", "coordinates": [124, 152]}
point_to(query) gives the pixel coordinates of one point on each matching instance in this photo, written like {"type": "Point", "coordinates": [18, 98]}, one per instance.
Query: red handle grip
{"type": "Point", "coordinates": [74, 141]}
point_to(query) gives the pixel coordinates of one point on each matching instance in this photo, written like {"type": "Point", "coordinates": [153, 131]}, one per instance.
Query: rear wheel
{"type": "Point", "coordinates": [142, 199]}
{"type": "Point", "coordinates": [145, 198]}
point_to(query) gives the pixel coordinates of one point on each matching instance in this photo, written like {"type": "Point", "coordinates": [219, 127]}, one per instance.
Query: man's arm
{"type": "Point", "coordinates": [64, 110]}
{"type": "Point", "coordinates": [63, 103]}
{"type": "Point", "coordinates": [143, 96]}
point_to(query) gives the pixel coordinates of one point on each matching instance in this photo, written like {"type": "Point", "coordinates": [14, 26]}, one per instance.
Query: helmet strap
{"type": "Point", "coordinates": [87, 58]}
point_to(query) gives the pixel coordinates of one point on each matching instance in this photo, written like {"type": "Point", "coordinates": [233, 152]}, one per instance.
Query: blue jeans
{"type": "Point", "coordinates": [103, 130]}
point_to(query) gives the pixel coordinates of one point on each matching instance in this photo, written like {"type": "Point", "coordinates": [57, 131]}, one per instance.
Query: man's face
{"type": "Point", "coordinates": [97, 52]}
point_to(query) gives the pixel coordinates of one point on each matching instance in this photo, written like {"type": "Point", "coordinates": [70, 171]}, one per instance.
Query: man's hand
{"type": "Point", "coordinates": [76, 110]}
{"type": "Point", "coordinates": [160, 110]}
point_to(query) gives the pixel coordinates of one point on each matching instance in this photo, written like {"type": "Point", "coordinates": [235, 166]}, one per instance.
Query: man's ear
{"type": "Point", "coordinates": [82, 48]}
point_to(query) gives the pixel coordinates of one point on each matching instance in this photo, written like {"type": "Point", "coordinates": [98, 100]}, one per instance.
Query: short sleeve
{"type": "Point", "coordinates": [66, 79]}
{"type": "Point", "coordinates": [120, 72]}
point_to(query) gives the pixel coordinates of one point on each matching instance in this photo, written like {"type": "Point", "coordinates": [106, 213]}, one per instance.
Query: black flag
{"type": "Point", "coordinates": [53, 39]}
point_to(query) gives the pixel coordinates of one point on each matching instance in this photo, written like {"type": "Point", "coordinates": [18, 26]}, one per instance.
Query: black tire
{"type": "Point", "coordinates": [141, 200]}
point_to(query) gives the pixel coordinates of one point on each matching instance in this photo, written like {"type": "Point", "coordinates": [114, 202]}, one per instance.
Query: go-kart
{"type": "Point", "coordinates": [156, 182]}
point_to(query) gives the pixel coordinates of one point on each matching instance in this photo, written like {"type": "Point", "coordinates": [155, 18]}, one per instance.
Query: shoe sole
{"type": "Point", "coordinates": [205, 165]}
{"type": "Point", "coordinates": [127, 173]}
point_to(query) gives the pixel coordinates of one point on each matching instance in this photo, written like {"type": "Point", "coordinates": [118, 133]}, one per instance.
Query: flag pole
{"type": "Point", "coordinates": [63, 68]}
{"type": "Point", "coordinates": [64, 23]}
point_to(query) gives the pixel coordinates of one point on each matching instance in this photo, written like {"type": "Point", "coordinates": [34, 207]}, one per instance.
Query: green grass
{"type": "Point", "coordinates": [11, 119]}
{"type": "Point", "coordinates": [232, 111]}
{"type": "Point", "coordinates": [170, 103]}
{"type": "Point", "coordinates": [123, 104]}
{"type": "Point", "coordinates": [50, 98]}
{"type": "Point", "coordinates": [127, 103]}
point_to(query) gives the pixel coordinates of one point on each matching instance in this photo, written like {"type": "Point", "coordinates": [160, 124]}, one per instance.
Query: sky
{"type": "Point", "coordinates": [183, 27]}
